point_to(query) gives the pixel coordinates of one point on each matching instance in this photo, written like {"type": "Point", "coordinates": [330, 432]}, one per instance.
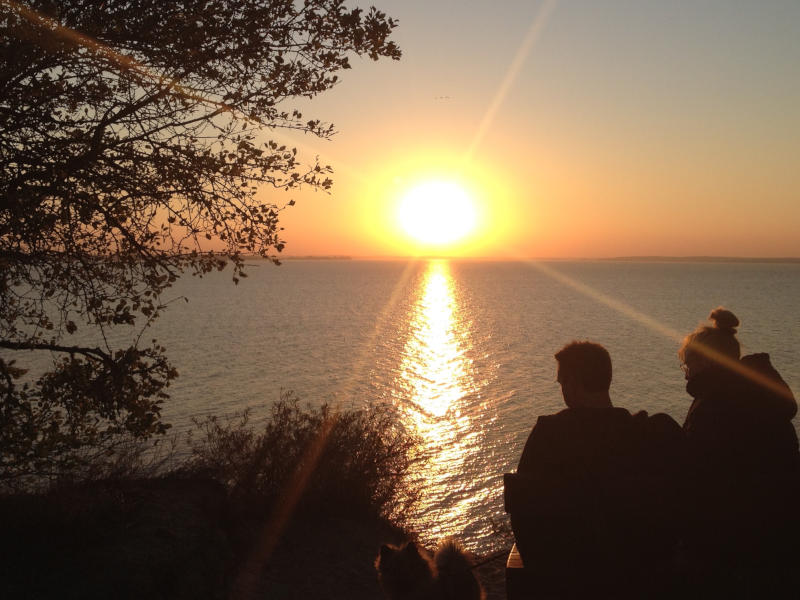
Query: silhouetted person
{"type": "Point", "coordinates": [744, 467]}
{"type": "Point", "coordinates": [600, 488]}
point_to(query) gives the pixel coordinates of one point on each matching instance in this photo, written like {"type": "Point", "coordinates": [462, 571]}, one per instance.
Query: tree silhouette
{"type": "Point", "coordinates": [133, 135]}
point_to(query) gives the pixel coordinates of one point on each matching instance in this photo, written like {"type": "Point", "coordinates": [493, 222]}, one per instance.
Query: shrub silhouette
{"type": "Point", "coordinates": [355, 460]}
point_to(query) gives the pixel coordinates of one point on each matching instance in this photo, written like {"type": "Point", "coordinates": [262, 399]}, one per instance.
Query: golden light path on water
{"type": "Point", "coordinates": [432, 388]}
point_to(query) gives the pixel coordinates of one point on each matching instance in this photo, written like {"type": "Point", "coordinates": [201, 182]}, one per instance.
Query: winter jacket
{"type": "Point", "coordinates": [739, 424]}
{"type": "Point", "coordinates": [602, 500]}
{"type": "Point", "coordinates": [742, 478]}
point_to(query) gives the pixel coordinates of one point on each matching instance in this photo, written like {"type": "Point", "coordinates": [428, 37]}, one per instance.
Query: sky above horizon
{"type": "Point", "coordinates": [578, 128]}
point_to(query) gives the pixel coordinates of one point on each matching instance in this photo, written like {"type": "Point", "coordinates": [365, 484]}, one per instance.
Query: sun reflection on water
{"type": "Point", "coordinates": [438, 397]}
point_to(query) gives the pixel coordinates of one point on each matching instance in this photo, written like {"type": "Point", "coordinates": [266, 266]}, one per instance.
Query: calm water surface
{"type": "Point", "coordinates": [462, 350]}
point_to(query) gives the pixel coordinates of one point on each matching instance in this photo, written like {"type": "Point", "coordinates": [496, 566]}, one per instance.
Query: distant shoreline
{"type": "Point", "coordinates": [714, 259]}
{"type": "Point", "coordinates": [642, 259]}
{"type": "Point", "coordinates": [315, 257]}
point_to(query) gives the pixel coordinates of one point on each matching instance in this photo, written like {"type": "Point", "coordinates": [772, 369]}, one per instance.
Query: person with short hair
{"type": "Point", "coordinates": [597, 482]}
{"type": "Point", "coordinates": [584, 373]}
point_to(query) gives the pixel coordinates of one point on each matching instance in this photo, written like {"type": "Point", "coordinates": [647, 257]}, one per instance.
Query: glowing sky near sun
{"type": "Point", "coordinates": [579, 128]}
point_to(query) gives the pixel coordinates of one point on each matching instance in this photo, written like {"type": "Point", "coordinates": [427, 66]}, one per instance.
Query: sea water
{"type": "Point", "coordinates": [463, 350]}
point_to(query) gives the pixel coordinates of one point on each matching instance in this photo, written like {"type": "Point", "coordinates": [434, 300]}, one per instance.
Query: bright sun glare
{"type": "Point", "coordinates": [437, 212]}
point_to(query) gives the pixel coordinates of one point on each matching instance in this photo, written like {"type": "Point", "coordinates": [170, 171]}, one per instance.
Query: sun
{"type": "Point", "coordinates": [437, 212]}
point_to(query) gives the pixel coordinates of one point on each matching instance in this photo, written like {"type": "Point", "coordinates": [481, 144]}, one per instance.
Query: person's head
{"type": "Point", "coordinates": [710, 344]}
{"type": "Point", "coordinates": [584, 372]}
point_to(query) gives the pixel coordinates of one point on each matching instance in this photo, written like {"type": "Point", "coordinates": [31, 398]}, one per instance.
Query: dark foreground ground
{"type": "Point", "coordinates": [182, 538]}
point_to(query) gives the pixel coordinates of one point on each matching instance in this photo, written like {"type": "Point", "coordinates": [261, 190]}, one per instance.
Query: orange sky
{"type": "Point", "coordinates": [581, 129]}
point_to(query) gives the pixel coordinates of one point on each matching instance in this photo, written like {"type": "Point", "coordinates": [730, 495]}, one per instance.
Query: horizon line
{"type": "Point", "coordinates": [630, 258]}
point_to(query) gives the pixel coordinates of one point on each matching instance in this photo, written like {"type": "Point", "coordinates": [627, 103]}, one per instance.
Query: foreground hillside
{"type": "Point", "coordinates": [182, 538]}
{"type": "Point", "coordinates": [297, 509]}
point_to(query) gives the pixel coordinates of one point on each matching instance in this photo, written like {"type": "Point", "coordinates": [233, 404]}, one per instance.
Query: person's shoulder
{"type": "Point", "coordinates": [760, 366]}
{"type": "Point", "coordinates": [619, 412]}
{"type": "Point", "coordinates": [547, 421]}
{"type": "Point", "coordinates": [547, 432]}
{"type": "Point", "coordinates": [767, 385]}
{"type": "Point", "coordinates": [563, 414]}
{"type": "Point", "coordinates": [588, 419]}
{"type": "Point", "coordinates": [658, 425]}
{"type": "Point", "coordinates": [759, 360]}
{"type": "Point", "coordinates": [557, 422]}
{"type": "Point", "coordinates": [657, 420]}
